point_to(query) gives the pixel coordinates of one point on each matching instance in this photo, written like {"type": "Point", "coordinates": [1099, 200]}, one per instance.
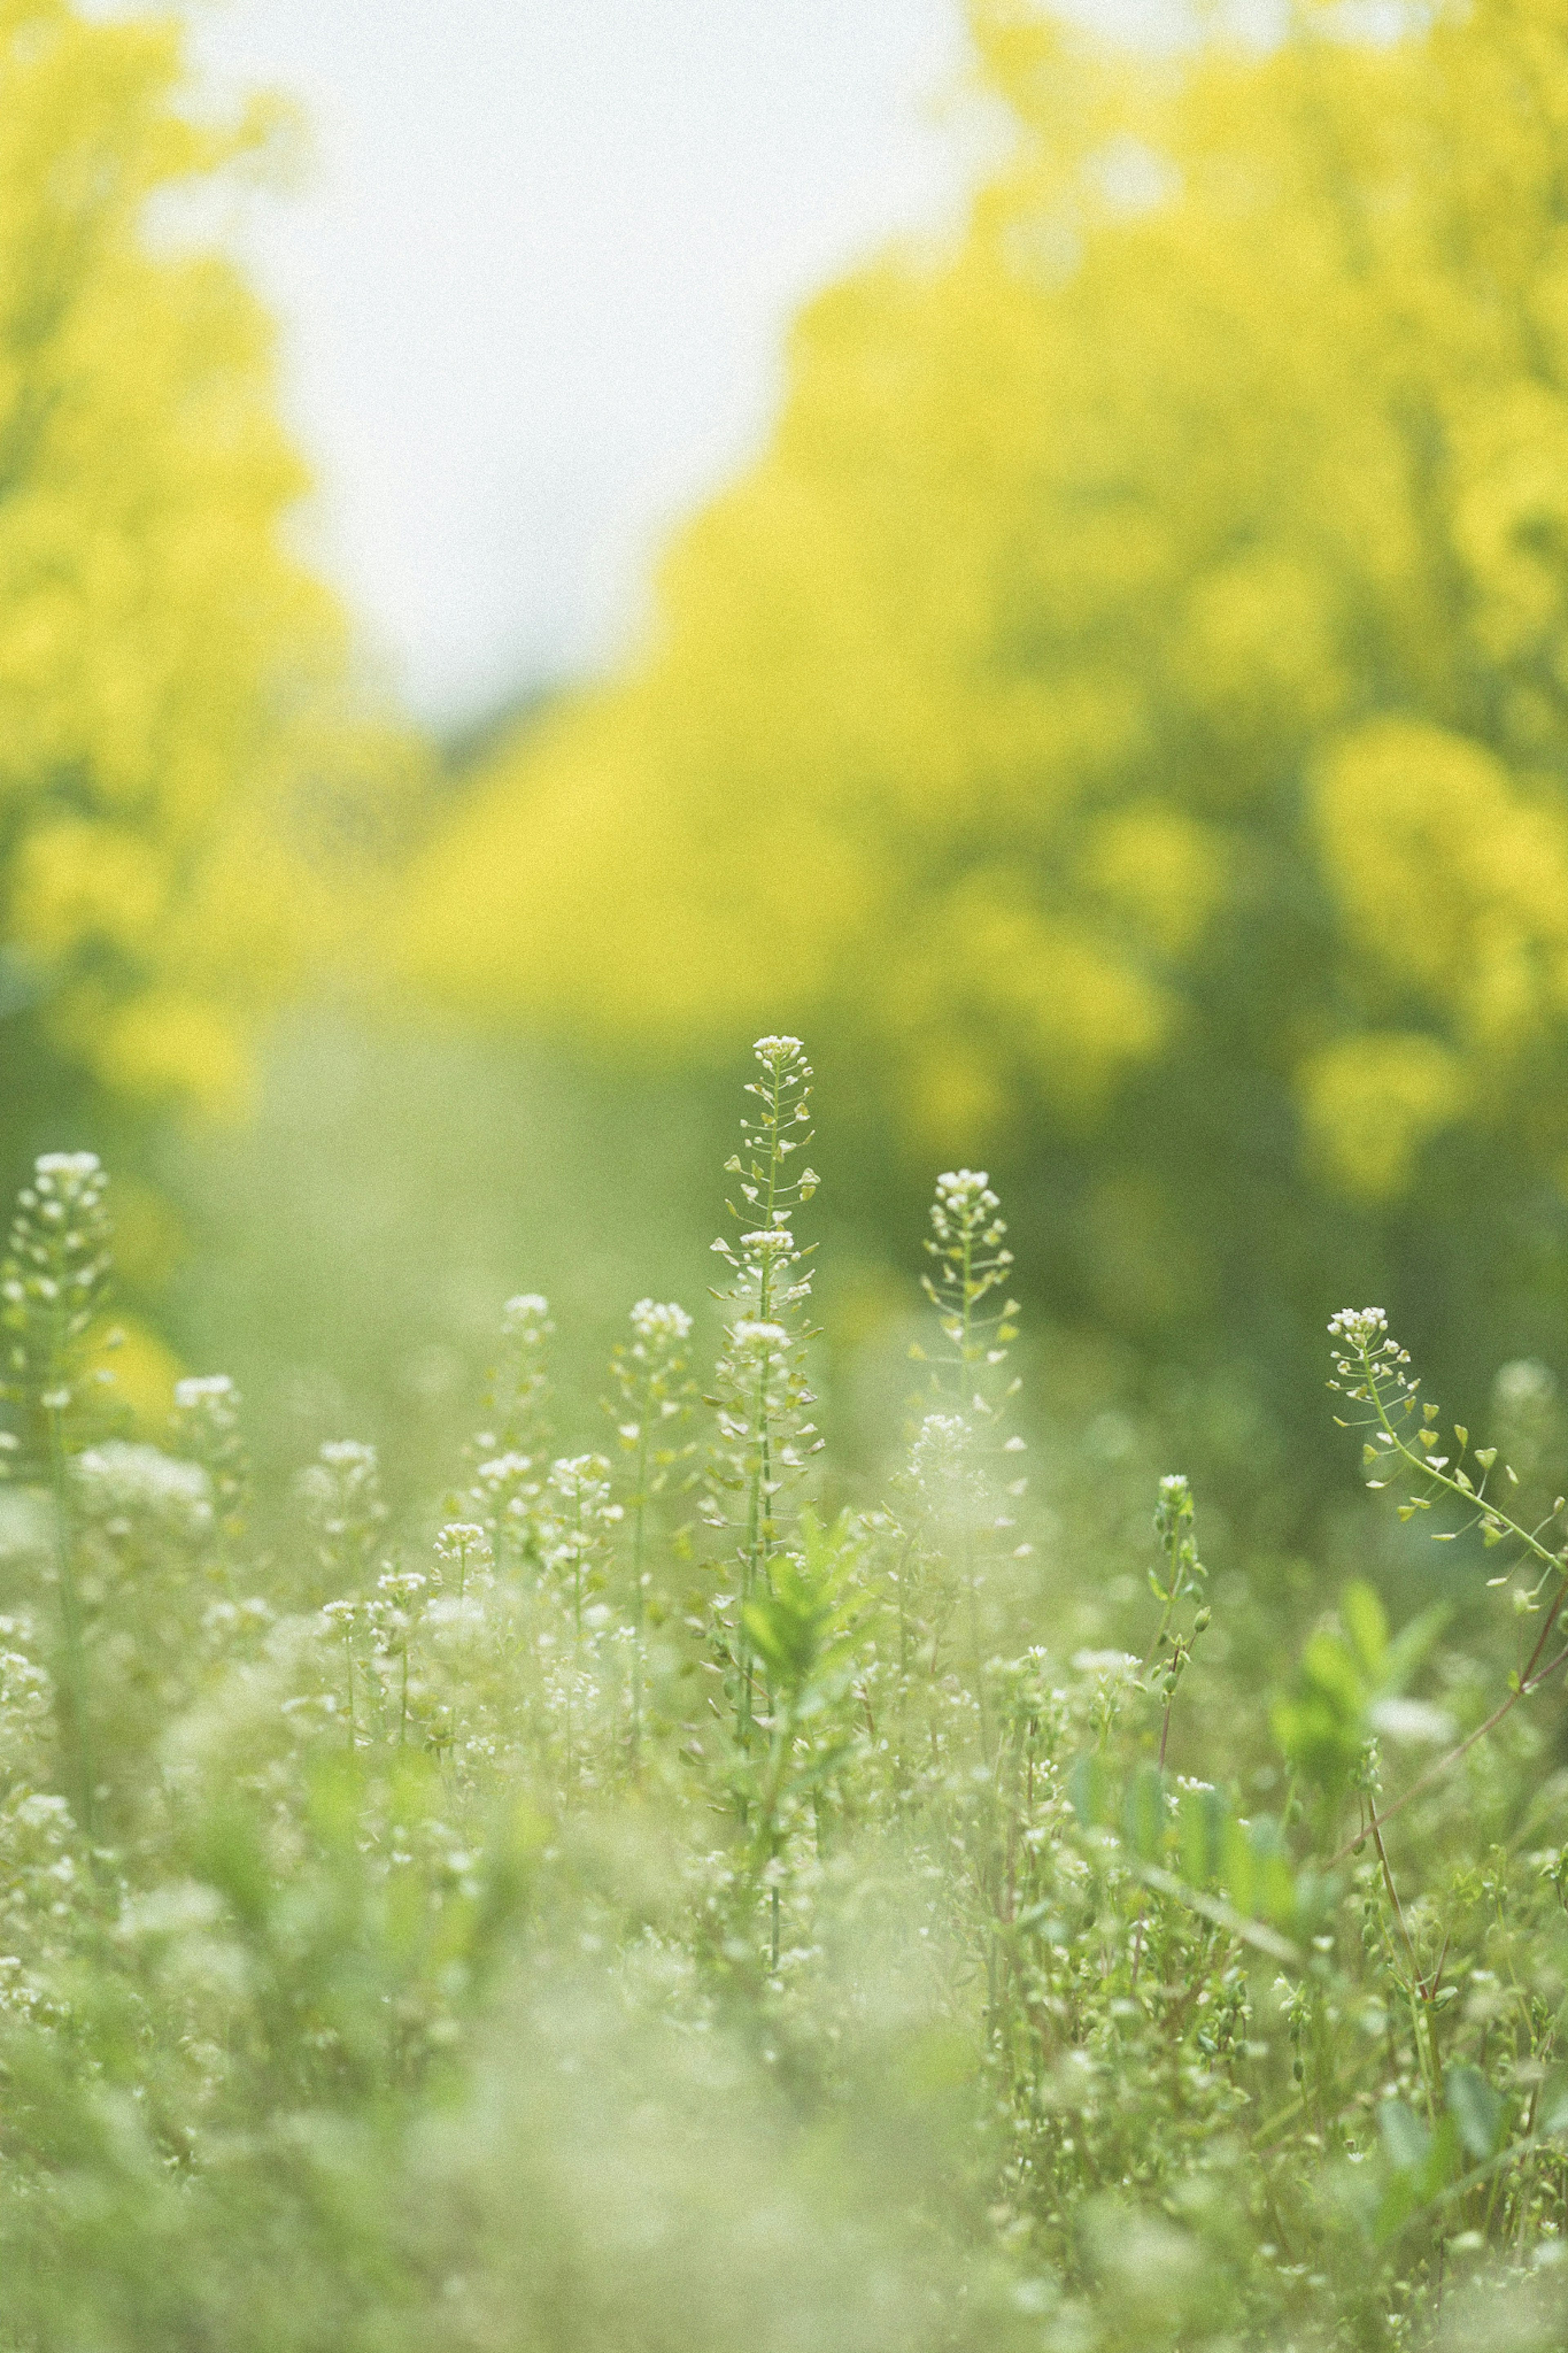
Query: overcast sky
{"type": "Point", "coordinates": [534, 286]}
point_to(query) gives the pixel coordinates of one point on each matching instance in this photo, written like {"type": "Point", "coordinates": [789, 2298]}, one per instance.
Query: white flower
{"type": "Point", "coordinates": [751, 1333]}
{"type": "Point", "coordinates": [76, 1164]}
{"type": "Point", "coordinates": [123, 1478]}
{"type": "Point", "coordinates": [348, 1455]}
{"type": "Point", "coordinates": [1361, 1326]}
{"type": "Point", "coordinates": [458, 1538]}
{"type": "Point", "coordinates": [655, 1319]}
{"type": "Point", "coordinates": [528, 1313]}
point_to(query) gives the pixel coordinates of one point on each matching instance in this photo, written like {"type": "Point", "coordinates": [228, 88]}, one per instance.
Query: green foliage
{"type": "Point", "coordinates": [1346, 1672]}
{"type": "Point", "coordinates": [425, 1950]}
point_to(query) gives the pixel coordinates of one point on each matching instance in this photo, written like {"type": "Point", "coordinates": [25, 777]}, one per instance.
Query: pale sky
{"type": "Point", "coordinates": [534, 287]}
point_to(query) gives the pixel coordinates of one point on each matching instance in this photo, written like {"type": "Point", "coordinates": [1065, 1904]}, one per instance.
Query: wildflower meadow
{"type": "Point", "coordinates": [634, 1900]}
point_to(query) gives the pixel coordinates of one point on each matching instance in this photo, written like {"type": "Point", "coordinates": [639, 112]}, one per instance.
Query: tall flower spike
{"type": "Point", "coordinates": [55, 1281]}
{"type": "Point", "coordinates": [953, 1475]}
{"type": "Point", "coordinates": [973, 1261]}
{"type": "Point", "coordinates": [763, 1395]}
{"type": "Point", "coordinates": [509, 1458]}
{"type": "Point", "coordinates": [342, 1494]}
{"type": "Point", "coordinates": [652, 1409]}
{"type": "Point", "coordinates": [206, 1430]}
{"type": "Point", "coordinates": [582, 1519]}
{"type": "Point", "coordinates": [519, 1383]}
{"type": "Point", "coordinates": [52, 1285]}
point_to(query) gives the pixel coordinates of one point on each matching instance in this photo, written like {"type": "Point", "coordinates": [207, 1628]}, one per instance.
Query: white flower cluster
{"type": "Point", "coordinates": [460, 1539]}
{"type": "Point", "coordinates": [755, 1336]}
{"type": "Point", "coordinates": [206, 1430]}
{"type": "Point", "coordinates": [965, 1209]}
{"type": "Point", "coordinates": [350, 1456]}
{"type": "Point", "coordinates": [1363, 1328]}
{"type": "Point", "coordinates": [963, 1187]}
{"type": "Point", "coordinates": [120, 1482]}
{"type": "Point", "coordinates": [341, 1493]}
{"type": "Point", "coordinates": [526, 1318]}
{"type": "Point", "coordinates": [394, 1607]}
{"type": "Point", "coordinates": [506, 1489]}
{"type": "Point", "coordinates": [655, 1321]}
{"type": "Point", "coordinates": [940, 1451]}
{"type": "Point", "coordinates": [582, 1482]}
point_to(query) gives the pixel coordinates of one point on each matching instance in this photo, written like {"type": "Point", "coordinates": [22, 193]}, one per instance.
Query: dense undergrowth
{"type": "Point", "coordinates": [632, 1908]}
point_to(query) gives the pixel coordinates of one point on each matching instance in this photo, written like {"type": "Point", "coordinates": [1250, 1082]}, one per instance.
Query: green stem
{"type": "Point", "coordinates": [754, 1561]}
{"type": "Point", "coordinates": [76, 1725]}
{"type": "Point", "coordinates": [639, 1517]}
{"type": "Point", "coordinates": [975, 1643]}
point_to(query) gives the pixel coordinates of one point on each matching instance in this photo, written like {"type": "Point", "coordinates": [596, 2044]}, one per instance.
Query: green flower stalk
{"type": "Point", "coordinates": [652, 1409]}
{"type": "Point", "coordinates": [342, 1498]}
{"type": "Point", "coordinates": [206, 1431]}
{"type": "Point", "coordinates": [950, 1470]}
{"type": "Point", "coordinates": [762, 1393]}
{"type": "Point", "coordinates": [1405, 1440]}
{"type": "Point", "coordinates": [519, 1383]}
{"type": "Point", "coordinates": [510, 1457]}
{"type": "Point", "coordinates": [54, 1286]}
{"type": "Point", "coordinates": [581, 1519]}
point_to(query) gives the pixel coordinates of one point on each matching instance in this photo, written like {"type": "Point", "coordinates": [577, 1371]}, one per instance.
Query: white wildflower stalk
{"type": "Point", "coordinates": [519, 1383]}
{"type": "Point", "coordinates": [462, 1549]}
{"type": "Point", "coordinates": [393, 1613]}
{"type": "Point", "coordinates": [762, 1394]}
{"type": "Point", "coordinates": [206, 1430]}
{"type": "Point", "coordinates": [53, 1287]}
{"type": "Point", "coordinates": [342, 1494]}
{"type": "Point", "coordinates": [971, 1395]}
{"type": "Point", "coordinates": [342, 1617]}
{"type": "Point", "coordinates": [582, 1516]}
{"type": "Point", "coordinates": [581, 1520]}
{"type": "Point", "coordinates": [511, 1455]}
{"type": "Point", "coordinates": [651, 1409]}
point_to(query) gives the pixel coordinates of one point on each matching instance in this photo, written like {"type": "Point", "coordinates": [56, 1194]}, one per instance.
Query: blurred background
{"type": "Point", "coordinates": [538, 542]}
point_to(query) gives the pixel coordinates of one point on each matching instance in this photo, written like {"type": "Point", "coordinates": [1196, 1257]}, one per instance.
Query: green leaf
{"type": "Point", "coordinates": [1477, 2110]}
{"type": "Point", "coordinates": [1552, 2107]}
{"type": "Point", "coordinates": [1089, 1790]}
{"type": "Point", "coordinates": [1145, 1813]}
{"type": "Point", "coordinates": [1406, 2142]}
{"type": "Point", "coordinates": [1411, 1645]}
{"type": "Point", "coordinates": [1365, 1619]}
{"type": "Point", "coordinates": [1203, 1818]}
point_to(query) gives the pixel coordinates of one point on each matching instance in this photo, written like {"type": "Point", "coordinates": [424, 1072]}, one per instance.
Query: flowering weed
{"type": "Point", "coordinates": [458, 1919]}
